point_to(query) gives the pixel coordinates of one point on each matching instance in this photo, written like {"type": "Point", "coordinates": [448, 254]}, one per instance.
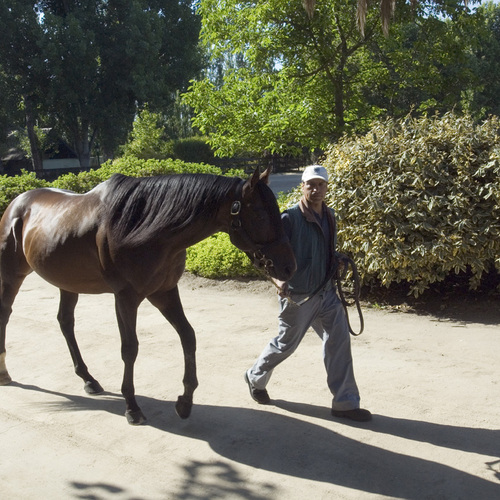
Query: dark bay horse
{"type": "Point", "coordinates": [128, 237]}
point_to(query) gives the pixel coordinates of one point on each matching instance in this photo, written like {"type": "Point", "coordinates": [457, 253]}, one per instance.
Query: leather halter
{"type": "Point", "coordinates": [256, 250]}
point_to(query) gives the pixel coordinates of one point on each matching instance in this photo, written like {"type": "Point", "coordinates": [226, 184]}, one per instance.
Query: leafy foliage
{"type": "Point", "coordinates": [129, 165]}
{"type": "Point", "coordinates": [217, 257]}
{"type": "Point", "coordinates": [10, 187]}
{"type": "Point", "coordinates": [483, 100]}
{"type": "Point", "coordinates": [193, 149]}
{"type": "Point", "coordinates": [87, 66]}
{"type": "Point", "coordinates": [289, 89]}
{"type": "Point", "coordinates": [419, 199]}
{"type": "Point", "coordinates": [297, 82]}
{"type": "Point", "coordinates": [147, 139]}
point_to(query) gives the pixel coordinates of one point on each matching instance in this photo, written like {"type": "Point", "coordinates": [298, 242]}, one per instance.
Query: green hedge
{"type": "Point", "coordinates": [217, 257]}
{"type": "Point", "coordinates": [10, 187]}
{"type": "Point", "coordinates": [418, 200]}
{"type": "Point", "coordinates": [130, 165]}
{"type": "Point", "coordinates": [193, 149]}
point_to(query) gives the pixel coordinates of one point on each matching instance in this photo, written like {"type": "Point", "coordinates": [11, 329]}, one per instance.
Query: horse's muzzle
{"type": "Point", "coordinates": [276, 259]}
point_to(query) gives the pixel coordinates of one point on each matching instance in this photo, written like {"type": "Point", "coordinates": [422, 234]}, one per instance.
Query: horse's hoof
{"type": "Point", "coordinates": [5, 378]}
{"type": "Point", "coordinates": [183, 407]}
{"type": "Point", "coordinates": [93, 387]}
{"type": "Point", "coordinates": [135, 417]}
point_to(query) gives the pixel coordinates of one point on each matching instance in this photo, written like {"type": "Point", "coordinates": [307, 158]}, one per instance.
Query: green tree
{"type": "Point", "coordinates": [147, 139]}
{"type": "Point", "coordinates": [427, 60]}
{"type": "Point", "coordinates": [303, 81]}
{"type": "Point", "coordinates": [484, 99]}
{"type": "Point", "coordinates": [385, 7]}
{"type": "Point", "coordinates": [9, 112]}
{"type": "Point", "coordinates": [23, 63]}
{"type": "Point", "coordinates": [299, 80]}
{"type": "Point", "coordinates": [90, 65]}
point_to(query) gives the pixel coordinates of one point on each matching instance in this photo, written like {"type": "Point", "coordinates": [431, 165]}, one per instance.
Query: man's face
{"type": "Point", "coordinates": [314, 190]}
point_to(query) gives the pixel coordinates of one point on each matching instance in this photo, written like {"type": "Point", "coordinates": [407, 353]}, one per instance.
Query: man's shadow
{"type": "Point", "coordinates": [472, 440]}
{"type": "Point", "coordinates": [287, 445]}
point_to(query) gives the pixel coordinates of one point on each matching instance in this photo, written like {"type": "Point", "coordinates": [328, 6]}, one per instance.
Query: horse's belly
{"type": "Point", "coordinates": [79, 275]}
{"type": "Point", "coordinates": [71, 264]}
{"type": "Point", "coordinates": [71, 281]}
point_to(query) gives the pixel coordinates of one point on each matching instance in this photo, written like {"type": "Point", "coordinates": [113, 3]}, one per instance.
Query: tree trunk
{"type": "Point", "coordinates": [36, 156]}
{"type": "Point", "coordinates": [83, 144]}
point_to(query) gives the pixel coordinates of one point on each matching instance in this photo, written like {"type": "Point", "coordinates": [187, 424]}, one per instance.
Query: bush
{"type": "Point", "coordinates": [136, 167]}
{"type": "Point", "coordinates": [147, 139]}
{"type": "Point", "coordinates": [129, 165]}
{"type": "Point", "coordinates": [193, 149]}
{"type": "Point", "coordinates": [419, 199]}
{"type": "Point", "coordinates": [79, 183]}
{"type": "Point", "coordinates": [10, 187]}
{"type": "Point", "coordinates": [217, 257]}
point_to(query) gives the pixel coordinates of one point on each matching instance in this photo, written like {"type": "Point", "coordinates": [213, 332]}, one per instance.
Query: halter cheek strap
{"type": "Point", "coordinates": [237, 228]}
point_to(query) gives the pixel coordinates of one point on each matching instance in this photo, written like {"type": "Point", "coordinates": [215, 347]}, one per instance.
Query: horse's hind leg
{"type": "Point", "coordinates": [8, 292]}
{"type": "Point", "coordinates": [13, 270]}
{"type": "Point", "coordinates": [66, 318]}
{"type": "Point", "coordinates": [169, 304]}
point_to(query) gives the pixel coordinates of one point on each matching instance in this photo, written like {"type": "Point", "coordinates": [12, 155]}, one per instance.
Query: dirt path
{"type": "Point", "coordinates": [433, 387]}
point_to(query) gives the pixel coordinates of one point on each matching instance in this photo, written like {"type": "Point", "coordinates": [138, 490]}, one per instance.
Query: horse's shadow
{"type": "Point", "coordinates": [292, 447]}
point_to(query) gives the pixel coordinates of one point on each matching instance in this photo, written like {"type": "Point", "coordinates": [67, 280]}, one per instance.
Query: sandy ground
{"type": "Point", "coordinates": [431, 382]}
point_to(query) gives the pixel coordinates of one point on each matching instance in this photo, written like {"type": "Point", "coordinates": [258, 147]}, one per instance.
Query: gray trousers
{"type": "Point", "coordinates": [325, 314]}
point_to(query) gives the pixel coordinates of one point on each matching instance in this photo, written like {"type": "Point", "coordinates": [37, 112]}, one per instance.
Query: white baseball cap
{"type": "Point", "coordinates": [314, 172]}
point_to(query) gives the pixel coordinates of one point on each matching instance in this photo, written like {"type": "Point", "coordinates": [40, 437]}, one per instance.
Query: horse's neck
{"type": "Point", "coordinates": [205, 225]}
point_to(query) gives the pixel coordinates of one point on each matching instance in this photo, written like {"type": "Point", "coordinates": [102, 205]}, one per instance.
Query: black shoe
{"type": "Point", "coordinates": [259, 395]}
{"type": "Point", "coordinates": [358, 414]}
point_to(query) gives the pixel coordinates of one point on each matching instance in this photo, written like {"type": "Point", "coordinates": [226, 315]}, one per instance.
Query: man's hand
{"type": "Point", "coordinates": [282, 287]}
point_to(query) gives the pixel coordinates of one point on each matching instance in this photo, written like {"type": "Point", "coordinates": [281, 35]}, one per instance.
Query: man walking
{"type": "Point", "coordinates": [311, 229]}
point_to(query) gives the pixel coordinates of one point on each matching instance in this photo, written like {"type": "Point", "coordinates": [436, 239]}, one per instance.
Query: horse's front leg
{"type": "Point", "coordinates": [169, 304]}
{"type": "Point", "coordinates": [126, 304]}
{"type": "Point", "coordinates": [66, 318]}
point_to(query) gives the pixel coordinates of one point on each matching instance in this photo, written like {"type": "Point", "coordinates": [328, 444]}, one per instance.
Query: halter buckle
{"type": "Point", "coordinates": [236, 208]}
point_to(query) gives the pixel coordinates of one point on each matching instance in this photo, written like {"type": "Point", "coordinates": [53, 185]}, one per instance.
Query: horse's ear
{"type": "Point", "coordinates": [257, 176]}
{"type": "Point", "coordinates": [265, 175]}
{"type": "Point", "coordinates": [254, 179]}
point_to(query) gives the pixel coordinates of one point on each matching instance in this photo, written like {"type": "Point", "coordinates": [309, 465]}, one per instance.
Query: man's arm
{"type": "Point", "coordinates": [282, 286]}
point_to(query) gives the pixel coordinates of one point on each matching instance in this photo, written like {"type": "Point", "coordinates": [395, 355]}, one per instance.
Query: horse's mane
{"type": "Point", "coordinates": [137, 208]}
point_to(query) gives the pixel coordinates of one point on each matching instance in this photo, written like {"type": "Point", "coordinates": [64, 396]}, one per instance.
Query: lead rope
{"type": "Point", "coordinates": [345, 304]}
{"type": "Point", "coordinates": [357, 290]}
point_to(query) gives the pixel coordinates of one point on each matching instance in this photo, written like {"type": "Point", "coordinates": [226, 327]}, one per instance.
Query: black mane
{"type": "Point", "coordinates": [140, 207]}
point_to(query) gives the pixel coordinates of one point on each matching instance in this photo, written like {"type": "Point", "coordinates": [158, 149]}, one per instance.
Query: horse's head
{"type": "Point", "coordinates": [256, 228]}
